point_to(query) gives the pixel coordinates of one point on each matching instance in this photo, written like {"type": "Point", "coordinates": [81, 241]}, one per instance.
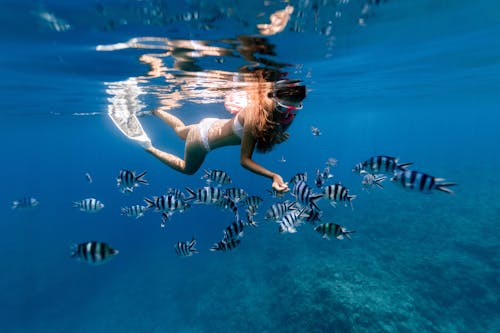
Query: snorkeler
{"type": "Point", "coordinates": [260, 125]}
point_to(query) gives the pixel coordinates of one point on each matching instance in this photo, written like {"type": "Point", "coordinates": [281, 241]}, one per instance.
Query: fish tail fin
{"type": "Point", "coordinates": [206, 173]}
{"type": "Point", "coordinates": [76, 204]}
{"type": "Point", "coordinates": [217, 247]}
{"type": "Point", "coordinates": [444, 187]}
{"type": "Point", "coordinates": [192, 194]}
{"type": "Point", "coordinates": [150, 202]}
{"type": "Point", "coordinates": [74, 250]}
{"type": "Point", "coordinates": [292, 205]}
{"type": "Point", "coordinates": [350, 198]}
{"type": "Point", "coordinates": [404, 165]}
{"type": "Point", "coordinates": [348, 233]}
{"type": "Point", "coordinates": [192, 245]}
{"type": "Point", "coordinates": [252, 223]}
{"type": "Point", "coordinates": [378, 182]}
{"type": "Point", "coordinates": [141, 180]}
{"type": "Point", "coordinates": [313, 201]}
{"type": "Point", "coordinates": [15, 204]}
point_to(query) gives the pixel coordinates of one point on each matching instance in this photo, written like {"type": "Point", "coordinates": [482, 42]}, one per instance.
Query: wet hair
{"type": "Point", "coordinates": [268, 127]}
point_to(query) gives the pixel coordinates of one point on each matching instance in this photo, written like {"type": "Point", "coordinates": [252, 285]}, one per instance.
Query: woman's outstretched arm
{"type": "Point", "coordinates": [246, 152]}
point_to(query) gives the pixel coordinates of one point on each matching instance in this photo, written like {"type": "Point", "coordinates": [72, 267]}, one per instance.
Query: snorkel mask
{"type": "Point", "coordinates": [287, 110]}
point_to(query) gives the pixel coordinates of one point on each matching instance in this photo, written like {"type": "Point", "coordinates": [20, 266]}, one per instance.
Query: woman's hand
{"type": "Point", "coordinates": [279, 185]}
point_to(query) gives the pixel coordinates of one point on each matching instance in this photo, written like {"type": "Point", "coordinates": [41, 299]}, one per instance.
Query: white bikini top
{"type": "Point", "coordinates": [237, 127]}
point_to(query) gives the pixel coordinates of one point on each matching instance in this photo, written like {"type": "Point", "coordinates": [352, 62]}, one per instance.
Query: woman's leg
{"type": "Point", "coordinates": [179, 127]}
{"type": "Point", "coordinates": [194, 154]}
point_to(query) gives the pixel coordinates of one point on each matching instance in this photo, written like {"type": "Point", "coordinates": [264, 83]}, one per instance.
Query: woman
{"type": "Point", "coordinates": [259, 125]}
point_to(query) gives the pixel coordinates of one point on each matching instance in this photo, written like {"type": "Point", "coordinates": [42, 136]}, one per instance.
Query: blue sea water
{"type": "Point", "coordinates": [413, 79]}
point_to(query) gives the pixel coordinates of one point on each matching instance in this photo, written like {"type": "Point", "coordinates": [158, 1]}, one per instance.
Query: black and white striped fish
{"type": "Point", "coordinates": [218, 176]}
{"type": "Point", "coordinates": [250, 220]}
{"type": "Point", "coordinates": [234, 230]}
{"type": "Point", "coordinates": [331, 162]}
{"type": "Point", "coordinates": [252, 201]}
{"type": "Point", "coordinates": [227, 203]}
{"type": "Point", "coordinates": [415, 180]}
{"type": "Point", "coordinates": [176, 192]}
{"type": "Point", "coordinates": [319, 180]}
{"type": "Point", "coordinates": [275, 194]}
{"type": "Point", "coordinates": [337, 193]}
{"type": "Point", "coordinates": [25, 202]}
{"type": "Point", "coordinates": [311, 215]}
{"type": "Point", "coordinates": [236, 194]}
{"type": "Point", "coordinates": [382, 164]}
{"type": "Point", "coordinates": [89, 205]}
{"type": "Point", "coordinates": [278, 209]}
{"type": "Point", "coordinates": [127, 180]}
{"type": "Point", "coordinates": [136, 211]}
{"type": "Point", "coordinates": [206, 195]}
{"type": "Point", "coordinates": [299, 177]}
{"type": "Point", "coordinates": [93, 252]}
{"type": "Point", "coordinates": [290, 221]}
{"type": "Point", "coordinates": [167, 204]}
{"type": "Point", "coordinates": [226, 245]}
{"type": "Point", "coordinates": [186, 249]}
{"type": "Point", "coordinates": [332, 229]}
{"type": "Point", "coordinates": [304, 195]}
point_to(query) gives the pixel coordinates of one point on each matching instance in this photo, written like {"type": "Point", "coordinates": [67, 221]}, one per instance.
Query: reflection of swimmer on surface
{"type": "Point", "coordinates": [260, 125]}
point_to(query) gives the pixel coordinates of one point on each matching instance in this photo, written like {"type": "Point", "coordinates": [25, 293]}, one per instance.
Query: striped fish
{"type": "Point", "coordinates": [278, 209]}
{"type": "Point", "coordinates": [93, 252]}
{"type": "Point", "coordinates": [234, 230]}
{"type": "Point", "coordinates": [218, 176]}
{"type": "Point", "coordinates": [304, 195]}
{"type": "Point", "coordinates": [225, 245]}
{"type": "Point", "coordinates": [127, 180]}
{"type": "Point", "coordinates": [332, 229]}
{"type": "Point", "coordinates": [206, 195]}
{"type": "Point", "coordinates": [25, 202]}
{"type": "Point", "coordinates": [177, 193]}
{"type": "Point", "coordinates": [167, 203]}
{"type": "Point", "coordinates": [290, 221]}
{"type": "Point", "coordinates": [186, 249]}
{"type": "Point", "coordinates": [275, 194]}
{"type": "Point", "coordinates": [251, 222]}
{"type": "Point", "coordinates": [236, 194]}
{"type": "Point", "coordinates": [415, 180]}
{"type": "Point", "coordinates": [89, 205]}
{"type": "Point", "coordinates": [331, 162]}
{"type": "Point", "coordinates": [136, 211]}
{"type": "Point", "coordinates": [336, 193]}
{"type": "Point", "coordinates": [299, 177]}
{"type": "Point", "coordinates": [227, 203]}
{"type": "Point", "coordinates": [382, 164]}
{"type": "Point", "coordinates": [252, 201]}
{"type": "Point", "coordinates": [312, 216]}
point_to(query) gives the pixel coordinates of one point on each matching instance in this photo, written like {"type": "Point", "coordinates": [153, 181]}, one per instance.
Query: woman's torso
{"type": "Point", "coordinates": [222, 132]}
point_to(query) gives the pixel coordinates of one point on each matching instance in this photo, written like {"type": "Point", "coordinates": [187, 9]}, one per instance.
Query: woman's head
{"type": "Point", "coordinates": [278, 109]}
{"type": "Point", "coordinates": [287, 97]}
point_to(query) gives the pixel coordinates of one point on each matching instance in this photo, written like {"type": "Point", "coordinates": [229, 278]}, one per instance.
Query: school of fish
{"type": "Point", "coordinates": [289, 210]}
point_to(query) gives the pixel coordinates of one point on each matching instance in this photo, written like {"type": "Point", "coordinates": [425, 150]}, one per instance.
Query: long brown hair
{"type": "Point", "coordinates": [267, 125]}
